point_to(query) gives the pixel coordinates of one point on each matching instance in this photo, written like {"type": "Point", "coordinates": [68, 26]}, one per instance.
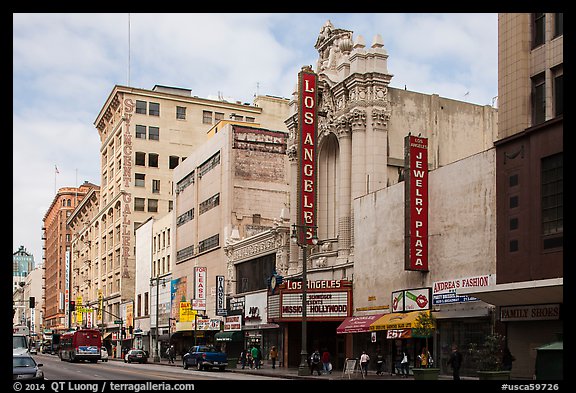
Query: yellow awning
{"type": "Point", "coordinates": [397, 320]}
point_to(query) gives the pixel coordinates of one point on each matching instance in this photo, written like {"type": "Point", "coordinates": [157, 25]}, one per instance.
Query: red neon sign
{"type": "Point", "coordinates": [417, 210]}
{"type": "Point", "coordinates": [307, 125]}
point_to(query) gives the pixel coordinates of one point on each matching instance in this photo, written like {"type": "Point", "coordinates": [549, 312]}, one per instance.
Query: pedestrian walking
{"type": "Point", "coordinates": [424, 357]}
{"type": "Point", "coordinates": [326, 365]}
{"type": "Point", "coordinates": [315, 362]}
{"type": "Point", "coordinates": [171, 353]}
{"type": "Point", "coordinates": [273, 355]}
{"type": "Point", "coordinates": [254, 353]}
{"type": "Point", "coordinates": [455, 362]}
{"type": "Point", "coordinates": [405, 365]}
{"type": "Point", "coordinates": [243, 358]}
{"type": "Point", "coordinates": [380, 363]}
{"type": "Point", "coordinates": [507, 359]}
{"type": "Point", "coordinates": [364, 360]}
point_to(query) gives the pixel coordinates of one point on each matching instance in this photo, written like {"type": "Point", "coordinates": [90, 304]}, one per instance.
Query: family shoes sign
{"type": "Point", "coordinates": [416, 210]}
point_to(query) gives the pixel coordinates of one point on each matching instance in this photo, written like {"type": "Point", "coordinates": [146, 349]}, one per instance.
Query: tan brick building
{"type": "Point", "coordinates": [145, 135]}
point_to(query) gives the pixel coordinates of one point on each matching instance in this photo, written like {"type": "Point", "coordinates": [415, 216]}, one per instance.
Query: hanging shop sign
{"type": "Point", "coordinates": [220, 296]}
{"type": "Point", "coordinates": [444, 292]}
{"type": "Point", "coordinates": [416, 210]}
{"type": "Point", "coordinates": [411, 299]}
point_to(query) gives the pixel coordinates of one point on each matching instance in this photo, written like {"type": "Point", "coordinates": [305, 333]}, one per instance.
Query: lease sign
{"type": "Point", "coordinates": [307, 127]}
{"type": "Point", "coordinates": [416, 192]}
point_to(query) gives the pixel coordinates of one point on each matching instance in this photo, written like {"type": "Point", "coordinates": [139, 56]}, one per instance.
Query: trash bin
{"type": "Point", "coordinates": [549, 360]}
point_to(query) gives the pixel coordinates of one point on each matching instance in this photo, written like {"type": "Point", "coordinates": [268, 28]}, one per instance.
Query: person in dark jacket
{"type": "Point", "coordinates": [507, 359]}
{"type": "Point", "coordinates": [456, 362]}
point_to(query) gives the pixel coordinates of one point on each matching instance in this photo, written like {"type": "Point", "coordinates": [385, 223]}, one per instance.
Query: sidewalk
{"type": "Point", "coordinates": [292, 373]}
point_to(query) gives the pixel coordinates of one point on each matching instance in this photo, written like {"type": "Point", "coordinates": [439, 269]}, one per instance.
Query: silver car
{"type": "Point", "coordinates": [24, 367]}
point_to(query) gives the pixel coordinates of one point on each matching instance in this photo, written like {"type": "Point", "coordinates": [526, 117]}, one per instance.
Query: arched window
{"type": "Point", "coordinates": [328, 186]}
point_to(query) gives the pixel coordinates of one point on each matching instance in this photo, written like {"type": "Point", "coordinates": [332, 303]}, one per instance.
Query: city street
{"type": "Point", "coordinates": [55, 369]}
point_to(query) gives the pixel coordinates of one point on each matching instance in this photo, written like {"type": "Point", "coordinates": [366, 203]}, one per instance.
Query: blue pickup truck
{"type": "Point", "coordinates": [205, 357]}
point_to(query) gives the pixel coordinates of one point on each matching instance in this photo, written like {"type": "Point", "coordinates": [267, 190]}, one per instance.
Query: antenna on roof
{"type": "Point", "coordinates": [128, 49]}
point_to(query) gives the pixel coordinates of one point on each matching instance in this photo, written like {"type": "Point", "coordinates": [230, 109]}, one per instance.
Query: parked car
{"type": "Point", "coordinates": [205, 357]}
{"type": "Point", "coordinates": [135, 355]}
{"type": "Point", "coordinates": [103, 354]}
{"type": "Point", "coordinates": [24, 367]}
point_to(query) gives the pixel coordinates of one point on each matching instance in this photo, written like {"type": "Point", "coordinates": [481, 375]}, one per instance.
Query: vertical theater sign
{"type": "Point", "coordinates": [416, 206]}
{"type": "Point", "coordinates": [307, 82]}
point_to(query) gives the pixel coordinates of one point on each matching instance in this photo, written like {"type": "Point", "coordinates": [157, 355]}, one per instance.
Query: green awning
{"type": "Point", "coordinates": [229, 336]}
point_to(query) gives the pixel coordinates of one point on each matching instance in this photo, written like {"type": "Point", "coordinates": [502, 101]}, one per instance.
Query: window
{"type": "Point", "coordinates": [139, 305]}
{"type": "Point", "coordinates": [154, 109]}
{"type": "Point", "coordinates": [173, 162]}
{"type": "Point", "coordinates": [218, 116]}
{"type": "Point", "coordinates": [513, 223]}
{"type": "Point", "coordinates": [539, 29]}
{"type": "Point", "coordinates": [236, 117]}
{"type": "Point", "coordinates": [141, 107]}
{"type": "Point", "coordinates": [558, 95]}
{"type": "Point", "coordinates": [185, 253]}
{"type": "Point", "coordinates": [153, 205]}
{"type": "Point", "coordinates": [140, 131]}
{"type": "Point", "coordinates": [145, 303]}
{"type": "Point", "coordinates": [209, 243]}
{"type": "Point", "coordinates": [209, 204]}
{"type": "Point", "coordinates": [155, 186]}
{"type": "Point", "coordinates": [538, 99]}
{"type": "Point", "coordinates": [140, 158]}
{"type": "Point", "coordinates": [206, 117]}
{"type": "Point", "coordinates": [209, 164]}
{"type": "Point", "coordinates": [552, 194]}
{"type": "Point", "coordinates": [558, 24]}
{"type": "Point", "coordinates": [170, 205]}
{"type": "Point", "coordinates": [250, 119]}
{"type": "Point", "coordinates": [139, 204]}
{"type": "Point", "coordinates": [185, 217]}
{"type": "Point", "coordinates": [140, 180]}
{"type": "Point", "coordinates": [153, 160]}
{"type": "Point", "coordinates": [153, 133]}
{"type": "Point", "coordinates": [181, 113]}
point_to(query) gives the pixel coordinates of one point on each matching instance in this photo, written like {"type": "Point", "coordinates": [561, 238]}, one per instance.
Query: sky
{"type": "Point", "coordinates": [65, 65]}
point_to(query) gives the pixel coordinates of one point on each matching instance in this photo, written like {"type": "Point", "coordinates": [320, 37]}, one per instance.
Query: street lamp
{"type": "Point", "coordinates": [163, 281]}
{"type": "Point", "coordinates": [295, 237]}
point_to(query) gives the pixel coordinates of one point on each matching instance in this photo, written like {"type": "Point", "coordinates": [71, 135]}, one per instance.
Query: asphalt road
{"type": "Point", "coordinates": [55, 369]}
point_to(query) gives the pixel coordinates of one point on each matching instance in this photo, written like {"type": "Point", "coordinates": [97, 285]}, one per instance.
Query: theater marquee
{"type": "Point", "coordinates": [416, 207]}
{"type": "Point", "coordinates": [326, 300]}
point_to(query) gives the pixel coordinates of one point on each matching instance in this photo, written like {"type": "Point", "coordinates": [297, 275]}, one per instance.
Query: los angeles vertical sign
{"type": "Point", "coordinates": [307, 130]}
{"type": "Point", "coordinates": [416, 207]}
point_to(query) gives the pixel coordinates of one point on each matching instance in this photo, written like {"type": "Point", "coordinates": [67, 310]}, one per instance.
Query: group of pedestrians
{"type": "Point", "coordinates": [252, 357]}
{"type": "Point", "coordinates": [320, 363]}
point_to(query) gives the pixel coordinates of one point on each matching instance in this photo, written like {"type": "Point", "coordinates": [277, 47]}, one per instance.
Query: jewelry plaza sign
{"type": "Point", "coordinates": [416, 211]}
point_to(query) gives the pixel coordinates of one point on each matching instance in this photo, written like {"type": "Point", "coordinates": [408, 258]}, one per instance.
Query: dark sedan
{"type": "Point", "coordinates": [136, 355]}
{"type": "Point", "coordinates": [24, 367]}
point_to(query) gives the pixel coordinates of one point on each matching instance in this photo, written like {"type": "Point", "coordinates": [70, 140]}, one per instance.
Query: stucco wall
{"type": "Point", "coordinates": [462, 231]}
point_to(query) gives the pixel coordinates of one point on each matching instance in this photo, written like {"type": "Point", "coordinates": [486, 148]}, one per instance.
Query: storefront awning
{"type": "Point", "coordinates": [229, 336]}
{"type": "Point", "coordinates": [357, 324]}
{"type": "Point", "coordinates": [396, 320]}
{"type": "Point", "coordinates": [106, 335]}
{"type": "Point", "coordinates": [525, 292]}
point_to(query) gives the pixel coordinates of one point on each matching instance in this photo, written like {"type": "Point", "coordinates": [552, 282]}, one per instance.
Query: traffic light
{"type": "Point", "coordinates": [32, 300]}
{"type": "Point", "coordinates": [72, 305]}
